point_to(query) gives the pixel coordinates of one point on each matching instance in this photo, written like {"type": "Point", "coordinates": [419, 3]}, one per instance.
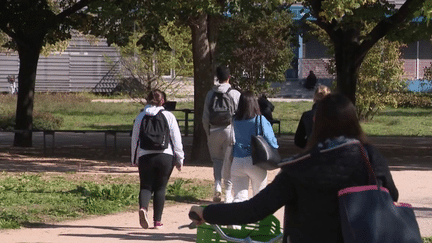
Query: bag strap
{"type": "Point", "coordinates": [371, 173]}
{"type": "Point", "coordinates": [256, 125]}
{"type": "Point", "coordinates": [262, 129]}
{"type": "Point", "coordinates": [227, 92]}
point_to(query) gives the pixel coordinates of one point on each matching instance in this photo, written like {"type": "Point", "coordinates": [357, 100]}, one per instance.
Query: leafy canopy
{"type": "Point", "coordinates": [256, 47]}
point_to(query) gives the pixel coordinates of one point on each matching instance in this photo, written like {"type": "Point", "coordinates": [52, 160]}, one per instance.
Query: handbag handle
{"type": "Point", "coordinates": [371, 173]}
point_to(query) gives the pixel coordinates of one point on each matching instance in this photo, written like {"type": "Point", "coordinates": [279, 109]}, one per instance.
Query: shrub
{"type": "Point", "coordinates": [41, 121]}
{"type": "Point", "coordinates": [46, 121]}
{"type": "Point", "coordinates": [414, 100]}
{"type": "Point", "coordinates": [7, 122]}
{"type": "Point", "coordinates": [380, 79]}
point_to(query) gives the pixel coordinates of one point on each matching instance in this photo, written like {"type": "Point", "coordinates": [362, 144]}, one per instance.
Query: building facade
{"type": "Point", "coordinates": [79, 68]}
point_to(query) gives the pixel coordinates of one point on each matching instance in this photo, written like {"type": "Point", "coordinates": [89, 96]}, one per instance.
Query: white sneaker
{"type": "Point", "coordinates": [218, 192]}
{"type": "Point", "coordinates": [143, 218]}
{"type": "Point", "coordinates": [218, 187]}
{"type": "Point", "coordinates": [228, 197]}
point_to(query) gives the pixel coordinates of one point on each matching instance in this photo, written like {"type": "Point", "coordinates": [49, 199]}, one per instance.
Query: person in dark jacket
{"type": "Point", "coordinates": [308, 184]}
{"type": "Point", "coordinates": [311, 81]}
{"type": "Point", "coordinates": [266, 107]}
{"type": "Point", "coordinates": [304, 128]}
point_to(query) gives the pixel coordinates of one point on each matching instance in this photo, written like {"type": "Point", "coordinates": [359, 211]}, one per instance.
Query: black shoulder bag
{"type": "Point", "coordinates": [263, 155]}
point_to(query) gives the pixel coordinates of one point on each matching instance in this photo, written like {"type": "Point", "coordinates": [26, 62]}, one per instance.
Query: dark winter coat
{"type": "Point", "coordinates": [266, 108]}
{"type": "Point", "coordinates": [304, 128]}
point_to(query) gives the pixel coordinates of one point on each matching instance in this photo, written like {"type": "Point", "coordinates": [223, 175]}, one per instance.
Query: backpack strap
{"type": "Point", "coordinates": [229, 89]}
{"type": "Point", "coordinates": [169, 133]}
{"type": "Point", "coordinates": [232, 100]}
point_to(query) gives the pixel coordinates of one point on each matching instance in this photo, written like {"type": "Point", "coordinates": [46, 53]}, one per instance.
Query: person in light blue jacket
{"type": "Point", "coordinates": [246, 122]}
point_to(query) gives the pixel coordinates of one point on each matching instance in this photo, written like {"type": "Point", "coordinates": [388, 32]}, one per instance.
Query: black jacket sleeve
{"type": "Point", "coordinates": [266, 202]}
{"type": "Point", "coordinates": [300, 137]}
{"type": "Point", "coordinates": [382, 171]}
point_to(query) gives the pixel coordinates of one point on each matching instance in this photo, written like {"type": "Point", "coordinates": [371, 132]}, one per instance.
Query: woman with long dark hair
{"type": "Point", "coordinates": [308, 184]}
{"type": "Point", "coordinates": [155, 166]}
{"type": "Point", "coordinates": [247, 122]}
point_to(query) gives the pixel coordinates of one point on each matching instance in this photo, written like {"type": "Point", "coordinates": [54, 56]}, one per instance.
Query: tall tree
{"type": "Point", "coordinates": [204, 24]}
{"type": "Point", "coordinates": [116, 20]}
{"type": "Point", "coordinates": [31, 24]}
{"type": "Point", "coordinates": [345, 22]}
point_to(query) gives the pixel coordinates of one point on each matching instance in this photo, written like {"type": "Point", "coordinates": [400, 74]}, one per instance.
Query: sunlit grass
{"type": "Point", "coordinates": [79, 113]}
{"type": "Point", "coordinates": [29, 198]}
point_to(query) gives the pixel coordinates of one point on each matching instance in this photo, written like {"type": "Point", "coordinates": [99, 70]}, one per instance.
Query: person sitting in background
{"type": "Point", "coordinates": [311, 81]}
{"type": "Point", "coordinates": [266, 107]}
{"type": "Point", "coordinates": [304, 128]}
{"type": "Point", "coordinates": [308, 184]}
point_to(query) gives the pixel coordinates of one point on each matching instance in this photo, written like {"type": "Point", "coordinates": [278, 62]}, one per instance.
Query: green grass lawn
{"type": "Point", "coordinates": [389, 122]}
{"type": "Point", "coordinates": [79, 113]}
{"type": "Point", "coordinates": [34, 198]}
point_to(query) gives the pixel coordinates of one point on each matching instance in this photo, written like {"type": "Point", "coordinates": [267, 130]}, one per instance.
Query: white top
{"type": "Point", "coordinates": [175, 148]}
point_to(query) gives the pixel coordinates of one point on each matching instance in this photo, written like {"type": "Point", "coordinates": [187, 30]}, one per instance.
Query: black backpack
{"type": "Point", "coordinates": [154, 132]}
{"type": "Point", "coordinates": [221, 109]}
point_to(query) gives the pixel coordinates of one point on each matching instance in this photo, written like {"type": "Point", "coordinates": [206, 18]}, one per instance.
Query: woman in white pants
{"type": "Point", "coordinates": [246, 122]}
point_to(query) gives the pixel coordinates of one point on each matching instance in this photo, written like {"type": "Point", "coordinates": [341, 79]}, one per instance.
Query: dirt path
{"type": "Point", "coordinates": [410, 161]}
{"type": "Point", "coordinates": [413, 186]}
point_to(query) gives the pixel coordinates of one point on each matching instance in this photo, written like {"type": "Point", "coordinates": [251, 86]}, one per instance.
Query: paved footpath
{"type": "Point", "coordinates": [410, 161]}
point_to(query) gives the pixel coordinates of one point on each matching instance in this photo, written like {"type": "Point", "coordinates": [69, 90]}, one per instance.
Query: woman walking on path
{"type": "Point", "coordinates": [155, 166]}
{"type": "Point", "coordinates": [247, 121]}
{"type": "Point", "coordinates": [304, 128]}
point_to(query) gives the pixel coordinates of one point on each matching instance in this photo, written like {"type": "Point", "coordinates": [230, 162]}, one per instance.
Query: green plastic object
{"type": "Point", "coordinates": [263, 230]}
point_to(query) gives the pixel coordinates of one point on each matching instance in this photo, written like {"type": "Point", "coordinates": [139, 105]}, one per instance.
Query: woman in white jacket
{"type": "Point", "coordinates": [155, 166]}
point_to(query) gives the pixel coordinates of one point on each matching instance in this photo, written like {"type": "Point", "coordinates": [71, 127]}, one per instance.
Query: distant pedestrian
{"type": "Point", "coordinates": [304, 128]}
{"type": "Point", "coordinates": [13, 84]}
{"type": "Point", "coordinates": [155, 160]}
{"type": "Point", "coordinates": [311, 81]}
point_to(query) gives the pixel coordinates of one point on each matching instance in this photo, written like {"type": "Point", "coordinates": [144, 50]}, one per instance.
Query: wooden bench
{"type": "Point", "coordinates": [53, 132]}
{"type": "Point", "coordinates": [186, 120]}
{"type": "Point", "coordinates": [106, 132]}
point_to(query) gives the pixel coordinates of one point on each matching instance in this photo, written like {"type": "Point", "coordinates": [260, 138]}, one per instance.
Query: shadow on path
{"type": "Point", "coordinates": [85, 153]}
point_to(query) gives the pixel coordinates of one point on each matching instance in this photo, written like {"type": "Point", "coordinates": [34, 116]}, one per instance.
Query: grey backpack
{"type": "Point", "coordinates": [221, 109]}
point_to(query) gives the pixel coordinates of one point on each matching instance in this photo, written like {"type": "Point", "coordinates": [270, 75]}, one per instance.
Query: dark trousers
{"type": "Point", "coordinates": [154, 172]}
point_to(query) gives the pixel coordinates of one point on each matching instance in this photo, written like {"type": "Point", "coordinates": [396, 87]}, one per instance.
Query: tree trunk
{"type": "Point", "coordinates": [347, 75]}
{"type": "Point", "coordinates": [203, 82]}
{"type": "Point", "coordinates": [29, 58]}
{"type": "Point", "coordinates": [348, 59]}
